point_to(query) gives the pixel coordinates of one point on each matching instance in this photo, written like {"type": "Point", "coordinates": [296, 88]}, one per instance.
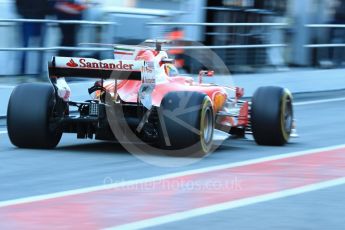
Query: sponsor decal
{"type": "Point", "coordinates": [148, 67]}
{"type": "Point", "coordinates": [72, 64]}
{"type": "Point", "coordinates": [87, 64]}
{"type": "Point", "coordinates": [148, 74]}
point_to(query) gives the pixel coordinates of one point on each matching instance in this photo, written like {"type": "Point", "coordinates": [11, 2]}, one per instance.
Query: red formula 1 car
{"type": "Point", "coordinates": [140, 95]}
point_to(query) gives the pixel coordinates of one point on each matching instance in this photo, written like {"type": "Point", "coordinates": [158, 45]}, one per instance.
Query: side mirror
{"type": "Point", "coordinates": [239, 92]}
{"type": "Point", "coordinates": [210, 73]}
{"type": "Point", "coordinates": [207, 73]}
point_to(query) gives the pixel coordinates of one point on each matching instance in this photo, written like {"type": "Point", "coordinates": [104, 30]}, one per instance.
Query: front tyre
{"type": "Point", "coordinates": [28, 117]}
{"type": "Point", "coordinates": [272, 116]}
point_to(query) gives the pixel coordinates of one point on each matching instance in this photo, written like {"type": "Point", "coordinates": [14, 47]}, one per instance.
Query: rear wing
{"type": "Point", "coordinates": [92, 68]}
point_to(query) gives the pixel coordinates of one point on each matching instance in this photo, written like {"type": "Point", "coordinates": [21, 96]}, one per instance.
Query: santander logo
{"type": "Point", "coordinates": [95, 64]}
{"type": "Point", "coordinates": [72, 64]}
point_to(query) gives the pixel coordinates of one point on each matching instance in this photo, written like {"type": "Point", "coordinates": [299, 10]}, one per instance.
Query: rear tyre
{"type": "Point", "coordinates": [29, 111]}
{"type": "Point", "coordinates": [187, 123]}
{"type": "Point", "coordinates": [272, 116]}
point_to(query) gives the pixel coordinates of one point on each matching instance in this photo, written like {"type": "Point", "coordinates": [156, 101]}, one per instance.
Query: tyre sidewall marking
{"type": "Point", "coordinates": [206, 103]}
{"type": "Point", "coordinates": [286, 95]}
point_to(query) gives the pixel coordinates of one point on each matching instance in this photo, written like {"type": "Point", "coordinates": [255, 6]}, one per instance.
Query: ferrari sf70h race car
{"type": "Point", "coordinates": [140, 95]}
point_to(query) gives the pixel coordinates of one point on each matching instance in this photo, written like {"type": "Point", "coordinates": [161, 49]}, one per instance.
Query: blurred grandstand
{"type": "Point", "coordinates": [249, 35]}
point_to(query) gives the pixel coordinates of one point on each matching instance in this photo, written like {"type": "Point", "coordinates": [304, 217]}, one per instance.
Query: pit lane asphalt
{"type": "Point", "coordinates": [83, 163]}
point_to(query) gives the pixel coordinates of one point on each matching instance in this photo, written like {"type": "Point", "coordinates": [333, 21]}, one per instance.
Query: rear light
{"type": "Point", "coordinates": [94, 109]}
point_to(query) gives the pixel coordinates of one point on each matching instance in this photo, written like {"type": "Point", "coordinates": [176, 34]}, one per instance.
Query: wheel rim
{"type": "Point", "coordinates": [208, 126]}
{"type": "Point", "coordinates": [288, 116]}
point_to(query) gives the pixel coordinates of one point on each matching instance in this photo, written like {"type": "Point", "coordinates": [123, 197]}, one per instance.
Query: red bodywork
{"type": "Point", "coordinates": [128, 89]}
{"type": "Point", "coordinates": [155, 70]}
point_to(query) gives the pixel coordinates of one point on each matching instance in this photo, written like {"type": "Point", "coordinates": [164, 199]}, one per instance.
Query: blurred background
{"type": "Point", "coordinates": [249, 35]}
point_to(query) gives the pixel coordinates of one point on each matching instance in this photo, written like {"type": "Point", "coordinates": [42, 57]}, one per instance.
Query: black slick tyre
{"type": "Point", "coordinates": [187, 123]}
{"type": "Point", "coordinates": [28, 117]}
{"type": "Point", "coordinates": [272, 116]}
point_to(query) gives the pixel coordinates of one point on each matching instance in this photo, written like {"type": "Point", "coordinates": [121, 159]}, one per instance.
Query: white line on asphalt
{"type": "Point", "coordinates": [319, 101]}
{"type": "Point", "coordinates": [7, 87]}
{"type": "Point", "coordinates": [164, 177]}
{"type": "Point", "coordinates": [3, 132]}
{"type": "Point", "coordinates": [229, 205]}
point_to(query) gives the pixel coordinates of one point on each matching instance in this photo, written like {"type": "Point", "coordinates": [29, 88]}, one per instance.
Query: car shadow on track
{"type": "Point", "coordinates": [114, 148]}
{"type": "Point", "coordinates": [94, 148]}
{"type": "Point", "coordinates": [228, 146]}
